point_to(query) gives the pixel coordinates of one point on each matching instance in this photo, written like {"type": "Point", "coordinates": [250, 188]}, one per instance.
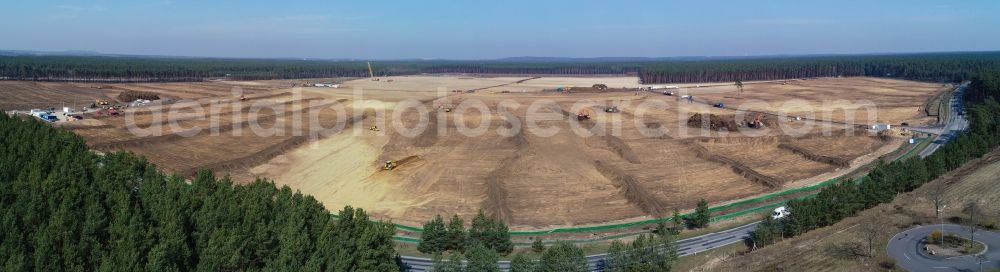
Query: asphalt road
{"type": "Point", "coordinates": [598, 262]}
{"type": "Point", "coordinates": [956, 123]}
{"type": "Point", "coordinates": [907, 249]}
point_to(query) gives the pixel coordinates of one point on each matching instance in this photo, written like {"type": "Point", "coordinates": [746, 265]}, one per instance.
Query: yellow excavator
{"type": "Point", "coordinates": [389, 165]}
{"type": "Point", "coordinates": [371, 73]}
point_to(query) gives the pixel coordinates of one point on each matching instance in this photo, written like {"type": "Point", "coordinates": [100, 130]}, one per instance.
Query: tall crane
{"type": "Point", "coordinates": [371, 73]}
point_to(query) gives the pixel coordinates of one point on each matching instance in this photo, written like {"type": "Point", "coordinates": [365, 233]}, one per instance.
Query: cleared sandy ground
{"type": "Point", "coordinates": [531, 180]}
{"type": "Point", "coordinates": [861, 100]}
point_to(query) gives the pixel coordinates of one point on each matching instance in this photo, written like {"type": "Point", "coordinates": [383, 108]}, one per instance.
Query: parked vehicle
{"type": "Point", "coordinates": [780, 212]}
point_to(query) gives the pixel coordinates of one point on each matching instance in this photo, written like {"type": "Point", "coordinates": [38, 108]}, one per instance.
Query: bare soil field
{"type": "Point", "coordinates": [641, 161]}
{"type": "Point", "coordinates": [21, 95]}
{"type": "Point", "coordinates": [860, 100]}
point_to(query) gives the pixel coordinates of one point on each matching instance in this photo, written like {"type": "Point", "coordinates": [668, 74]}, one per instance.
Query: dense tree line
{"type": "Point", "coordinates": [484, 231]}
{"type": "Point", "coordinates": [63, 207]}
{"type": "Point", "coordinates": [886, 180]}
{"type": "Point", "coordinates": [938, 67]}
{"type": "Point", "coordinates": [128, 69]}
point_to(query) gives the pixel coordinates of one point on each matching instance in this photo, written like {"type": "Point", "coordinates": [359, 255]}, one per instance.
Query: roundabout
{"type": "Point", "coordinates": [908, 249]}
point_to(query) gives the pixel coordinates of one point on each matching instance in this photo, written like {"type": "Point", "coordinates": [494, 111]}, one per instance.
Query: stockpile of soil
{"type": "Point", "coordinates": [770, 121]}
{"type": "Point", "coordinates": [131, 95]}
{"type": "Point", "coordinates": [712, 122]}
{"type": "Point", "coordinates": [729, 122]}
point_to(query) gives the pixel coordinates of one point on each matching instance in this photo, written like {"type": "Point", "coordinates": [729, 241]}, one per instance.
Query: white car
{"type": "Point", "coordinates": [780, 212]}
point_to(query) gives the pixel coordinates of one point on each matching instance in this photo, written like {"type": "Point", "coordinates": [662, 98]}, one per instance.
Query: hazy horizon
{"type": "Point", "coordinates": [481, 31]}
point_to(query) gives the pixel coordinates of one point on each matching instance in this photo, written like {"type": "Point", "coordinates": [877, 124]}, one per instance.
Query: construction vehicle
{"type": "Point", "coordinates": [612, 109]}
{"type": "Point", "coordinates": [389, 165]}
{"type": "Point", "coordinates": [600, 86]}
{"type": "Point", "coordinates": [374, 128]}
{"type": "Point", "coordinates": [371, 73]}
{"type": "Point", "coordinates": [447, 109]}
{"type": "Point", "coordinates": [110, 111]}
{"type": "Point", "coordinates": [758, 121]}
{"type": "Point", "coordinates": [243, 98]}
{"type": "Point", "coordinates": [102, 102]}
{"type": "Point", "coordinates": [668, 93]}
{"type": "Point", "coordinates": [719, 105]}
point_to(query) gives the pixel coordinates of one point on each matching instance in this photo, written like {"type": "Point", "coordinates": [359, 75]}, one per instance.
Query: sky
{"type": "Point", "coordinates": [496, 29]}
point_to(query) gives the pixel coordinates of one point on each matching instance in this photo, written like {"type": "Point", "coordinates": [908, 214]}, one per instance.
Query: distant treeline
{"type": "Point", "coordinates": [937, 67]}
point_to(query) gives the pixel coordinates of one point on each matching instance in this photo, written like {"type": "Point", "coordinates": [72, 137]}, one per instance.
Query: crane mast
{"type": "Point", "coordinates": [371, 73]}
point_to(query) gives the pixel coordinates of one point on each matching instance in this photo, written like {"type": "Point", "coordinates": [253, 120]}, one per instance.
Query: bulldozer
{"type": "Point", "coordinates": [102, 102]}
{"type": "Point", "coordinates": [374, 128]}
{"type": "Point", "coordinates": [612, 109]}
{"type": "Point", "coordinates": [389, 165]}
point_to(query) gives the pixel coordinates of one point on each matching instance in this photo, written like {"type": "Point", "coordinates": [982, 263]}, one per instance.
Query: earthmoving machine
{"type": "Point", "coordinates": [111, 111]}
{"type": "Point", "coordinates": [371, 73]}
{"type": "Point", "coordinates": [719, 105]}
{"type": "Point", "coordinates": [600, 86]}
{"type": "Point", "coordinates": [582, 116]}
{"type": "Point", "coordinates": [243, 98]}
{"type": "Point", "coordinates": [758, 121]}
{"type": "Point", "coordinates": [389, 165]}
{"type": "Point", "coordinates": [102, 102]}
{"type": "Point", "coordinates": [611, 109]}
{"type": "Point", "coordinates": [374, 128]}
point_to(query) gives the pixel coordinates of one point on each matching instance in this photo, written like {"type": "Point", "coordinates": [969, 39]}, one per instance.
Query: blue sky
{"type": "Point", "coordinates": [496, 29]}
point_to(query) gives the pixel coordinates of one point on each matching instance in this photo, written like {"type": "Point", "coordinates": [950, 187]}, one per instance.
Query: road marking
{"type": "Point", "coordinates": [907, 256]}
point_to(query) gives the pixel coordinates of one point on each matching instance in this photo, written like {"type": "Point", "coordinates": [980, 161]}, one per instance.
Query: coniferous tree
{"type": "Point", "coordinates": [702, 216]}
{"type": "Point", "coordinates": [521, 263]}
{"type": "Point", "coordinates": [481, 258]}
{"type": "Point", "coordinates": [563, 257]}
{"type": "Point", "coordinates": [434, 238]}
{"type": "Point", "coordinates": [455, 234]}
